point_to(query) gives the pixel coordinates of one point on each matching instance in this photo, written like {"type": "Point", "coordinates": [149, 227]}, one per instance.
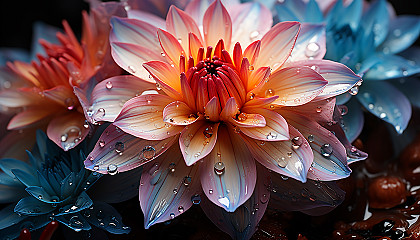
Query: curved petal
{"type": "Point", "coordinates": [171, 47]}
{"type": "Point", "coordinates": [386, 102]}
{"type": "Point", "coordinates": [67, 130]}
{"type": "Point", "coordinates": [117, 151]}
{"type": "Point", "coordinates": [403, 32]}
{"type": "Point", "coordinates": [32, 207]}
{"type": "Point", "coordinates": [294, 86]}
{"type": "Point", "coordinates": [242, 223]}
{"type": "Point", "coordinates": [75, 221]}
{"type": "Point", "coordinates": [391, 66]}
{"type": "Point", "coordinates": [168, 187]}
{"type": "Point", "coordinates": [250, 21]}
{"type": "Point", "coordinates": [274, 129]}
{"type": "Point", "coordinates": [153, 19]}
{"type": "Point", "coordinates": [212, 110]}
{"type": "Point", "coordinates": [292, 195]}
{"type": "Point", "coordinates": [228, 173]}
{"type": "Point", "coordinates": [8, 164]}
{"type": "Point", "coordinates": [180, 24]}
{"type": "Point", "coordinates": [167, 75]}
{"type": "Point", "coordinates": [142, 117]}
{"type": "Point", "coordinates": [310, 43]}
{"type": "Point", "coordinates": [340, 78]}
{"type": "Point", "coordinates": [131, 57]}
{"type": "Point", "coordinates": [217, 25]}
{"type": "Point", "coordinates": [353, 120]}
{"type": "Point", "coordinates": [376, 20]}
{"type": "Point", "coordinates": [106, 217]}
{"type": "Point", "coordinates": [197, 141]}
{"type": "Point", "coordinates": [20, 98]}
{"type": "Point", "coordinates": [28, 117]}
{"type": "Point", "coordinates": [8, 217]}
{"type": "Point", "coordinates": [62, 95]}
{"type": "Point", "coordinates": [10, 194]}
{"type": "Point", "coordinates": [277, 44]}
{"type": "Point", "coordinates": [111, 94]}
{"type": "Point", "coordinates": [178, 113]}
{"type": "Point", "coordinates": [320, 111]}
{"type": "Point", "coordinates": [409, 87]}
{"type": "Point", "coordinates": [290, 158]}
{"type": "Point", "coordinates": [330, 159]}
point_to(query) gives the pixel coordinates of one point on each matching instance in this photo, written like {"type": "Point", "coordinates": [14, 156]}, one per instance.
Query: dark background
{"type": "Point", "coordinates": [16, 17]}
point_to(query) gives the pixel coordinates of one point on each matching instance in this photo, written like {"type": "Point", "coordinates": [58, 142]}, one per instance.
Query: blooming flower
{"type": "Point", "coordinates": [47, 92]}
{"type": "Point", "coordinates": [205, 108]}
{"type": "Point", "coordinates": [367, 37]}
{"type": "Point", "coordinates": [52, 186]}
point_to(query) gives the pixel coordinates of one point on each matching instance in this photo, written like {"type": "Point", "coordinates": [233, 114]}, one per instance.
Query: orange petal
{"type": "Point", "coordinates": [178, 113]}
{"type": "Point", "coordinates": [217, 25]}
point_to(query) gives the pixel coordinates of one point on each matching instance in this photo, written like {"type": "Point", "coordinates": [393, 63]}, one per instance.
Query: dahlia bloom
{"type": "Point", "coordinates": [369, 39]}
{"type": "Point", "coordinates": [52, 186]}
{"type": "Point", "coordinates": [205, 109]}
{"type": "Point", "coordinates": [46, 94]}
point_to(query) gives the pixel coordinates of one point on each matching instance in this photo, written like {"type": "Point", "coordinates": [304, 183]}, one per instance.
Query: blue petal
{"type": "Point", "coordinates": [8, 217]}
{"type": "Point", "coordinates": [290, 11]}
{"type": "Point", "coordinates": [46, 184]}
{"type": "Point", "coordinates": [104, 216]}
{"type": "Point", "coordinates": [7, 164]}
{"type": "Point", "coordinates": [391, 66]}
{"type": "Point", "coordinates": [340, 16]}
{"type": "Point", "coordinates": [353, 120]}
{"type": "Point", "coordinates": [10, 194]}
{"type": "Point", "coordinates": [313, 14]}
{"type": "Point", "coordinates": [25, 178]}
{"type": "Point", "coordinates": [376, 20]}
{"type": "Point", "coordinates": [412, 54]}
{"type": "Point", "coordinates": [403, 32]}
{"type": "Point", "coordinates": [410, 88]}
{"type": "Point", "coordinates": [42, 31]}
{"type": "Point", "coordinates": [82, 202]}
{"type": "Point", "coordinates": [117, 188]}
{"type": "Point", "coordinates": [343, 98]}
{"type": "Point", "coordinates": [75, 221]}
{"type": "Point", "coordinates": [41, 142]}
{"type": "Point", "coordinates": [13, 54]}
{"type": "Point", "coordinates": [30, 223]}
{"type": "Point", "coordinates": [386, 102]}
{"type": "Point", "coordinates": [42, 195]}
{"type": "Point", "coordinates": [68, 185]}
{"type": "Point", "coordinates": [33, 207]}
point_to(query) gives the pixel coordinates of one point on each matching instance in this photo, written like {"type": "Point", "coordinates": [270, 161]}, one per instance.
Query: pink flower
{"type": "Point", "coordinates": [220, 88]}
{"type": "Point", "coordinates": [46, 96]}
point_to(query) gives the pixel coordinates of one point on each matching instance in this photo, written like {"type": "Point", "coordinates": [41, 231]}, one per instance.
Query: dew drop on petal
{"type": "Point", "coordinates": [312, 50]}
{"type": "Point", "coordinates": [254, 35]}
{"type": "Point", "coordinates": [119, 147]}
{"type": "Point", "coordinates": [269, 92]}
{"type": "Point", "coordinates": [271, 135]}
{"type": "Point", "coordinates": [172, 215]}
{"type": "Point", "coordinates": [108, 85]}
{"type": "Point", "coordinates": [296, 142]}
{"type": "Point", "coordinates": [354, 90]}
{"type": "Point", "coordinates": [147, 153]}
{"type": "Point", "coordinates": [210, 191]}
{"type": "Point", "coordinates": [326, 150]}
{"type": "Point", "coordinates": [172, 167]}
{"type": "Point", "coordinates": [264, 198]}
{"type": "Point", "coordinates": [242, 117]}
{"type": "Point", "coordinates": [318, 109]}
{"type": "Point", "coordinates": [208, 132]}
{"type": "Point", "coordinates": [180, 209]}
{"type": "Point", "coordinates": [96, 167]}
{"type": "Point", "coordinates": [187, 180]}
{"type": "Point", "coordinates": [196, 199]}
{"type": "Point", "coordinates": [311, 138]}
{"type": "Point", "coordinates": [219, 168]}
{"type": "Point", "coordinates": [101, 143]}
{"type": "Point", "coordinates": [112, 169]}
{"type": "Point", "coordinates": [69, 102]}
{"type": "Point", "coordinates": [131, 69]}
{"type": "Point", "coordinates": [251, 68]}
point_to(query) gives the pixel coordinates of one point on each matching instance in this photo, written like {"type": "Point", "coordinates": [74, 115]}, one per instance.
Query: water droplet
{"type": "Point", "coordinates": [271, 135]}
{"type": "Point", "coordinates": [163, 54]}
{"type": "Point", "coordinates": [112, 169]}
{"type": "Point", "coordinates": [254, 35]}
{"type": "Point", "coordinates": [264, 198]}
{"type": "Point", "coordinates": [187, 180]}
{"type": "Point", "coordinates": [251, 68]}
{"type": "Point", "coordinates": [196, 199]}
{"type": "Point", "coordinates": [96, 167]}
{"type": "Point", "coordinates": [208, 132]}
{"type": "Point", "coordinates": [289, 154]}
{"type": "Point", "coordinates": [326, 150]}
{"type": "Point", "coordinates": [147, 153]}
{"type": "Point", "coordinates": [318, 109]}
{"type": "Point", "coordinates": [175, 190]}
{"type": "Point", "coordinates": [210, 191]}
{"type": "Point", "coordinates": [311, 138]}
{"type": "Point", "coordinates": [172, 215]}
{"type": "Point", "coordinates": [251, 95]}
{"type": "Point", "coordinates": [101, 143]}
{"type": "Point", "coordinates": [343, 110]}
{"type": "Point", "coordinates": [382, 115]}
{"type": "Point", "coordinates": [296, 142]}
{"type": "Point", "coordinates": [108, 85]}
{"type": "Point", "coordinates": [219, 168]}
{"type": "Point", "coordinates": [180, 209]}
{"type": "Point", "coordinates": [269, 92]}
{"type": "Point", "coordinates": [100, 113]}
{"type": "Point", "coordinates": [69, 102]}
{"type": "Point", "coordinates": [312, 50]}
{"type": "Point", "coordinates": [172, 167]}
{"type": "Point", "coordinates": [397, 32]}
{"type": "Point", "coordinates": [131, 69]}
{"type": "Point", "coordinates": [63, 137]}
{"type": "Point", "coordinates": [354, 90]}
{"type": "Point", "coordinates": [242, 117]}
{"type": "Point", "coordinates": [119, 147]}
{"type": "Point", "coordinates": [158, 87]}
{"type": "Point", "coordinates": [75, 223]}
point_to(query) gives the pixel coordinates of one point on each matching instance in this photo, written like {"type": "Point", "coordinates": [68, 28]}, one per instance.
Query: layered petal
{"type": "Point", "coordinates": [217, 25]}
{"type": "Point", "coordinates": [28, 117]}
{"type": "Point", "coordinates": [168, 188]}
{"type": "Point", "coordinates": [117, 151]}
{"type": "Point", "coordinates": [178, 113]}
{"type": "Point", "coordinates": [228, 173]}
{"type": "Point", "coordinates": [142, 117]}
{"type": "Point", "coordinates": [167, 76]}
{"type": "Point", "coordinates": [310, 44]}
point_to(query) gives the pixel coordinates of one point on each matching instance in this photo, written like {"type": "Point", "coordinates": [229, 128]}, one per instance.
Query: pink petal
{"type": "Point", "coordinates": [228, 173]}
{"type": "Point", "coordinates": [197, 141]}
{"type": "Point", "coordinates": [212, 110]}
{"type": "Point", "coordinates": [294, 86]}
{"type": "Point", "coordinates": [196, 9]}
{"type": "Point", "coordinates": [194, 46]}
{"type": "Point", "coordinates": [131, 57]}
{"type": "Point", "coordinates": [277, 44]}
{"type": "Point", "coordinates": [310, 44]}
{"type": "Point", "coordinates": [109, 96]}
{"type": "Point", "coordinates": [67, 130]}
{"type": "Point", "coordinates": [320, 111]}
{"type": "Point", "coordinates": [275, 128]}
{"type": "Point", "coordinates": [252, 52]}
{"type": "Point", "coordinates": [291, 158]}
{"type": "Point", "coordinates": [171, 47]}
{"type": "Point", "coordinates": [19, 98]}
{"type": "Point", "coordinates": [292, 195]}
{"type": "Point", "coordinates": [257, 77]}
{"type": "Point", "coordinates": [62, 95]}
{"type": "Point", "coordinates": [330, 159]}
{"type": "Point", "coordinates": [120, 152]}
{"type": "Point", "coordinates": [178, 113]}
{"type": "Point", "coordinates": [217, 25]}
{"type": "Point", "coordinates": [229, 110]}
{"type": "Point", "coordinates": [152, 19]}
{"type": "Point", "coordinates": [250, 22]}
{"type": "Point", "coordinates": [136, 32]}
{"type": "Point", "coordinates": [249, 121]}
{"type": "Point", "coordinates": [142, 117]}
{"type": "Point", "coordinates": [242, 223]}
{"type": "Point", "coordinates": [180, 24]}
{"type": "Point", "coordinates": [168, 188]}
{"type": "Point", "coordinates": [167, 76]}
{"type": "Point", "coordinates": [340, 78]}
{"type": "Point", "coordinates": [29, 116]}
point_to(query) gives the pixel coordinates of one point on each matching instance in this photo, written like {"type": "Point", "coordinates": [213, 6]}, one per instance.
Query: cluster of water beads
{"type": "Point", "coordinates": [70, 137]}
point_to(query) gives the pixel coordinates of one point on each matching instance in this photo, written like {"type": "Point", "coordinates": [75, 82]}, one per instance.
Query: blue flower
{"type": "Point", "coordinates": [371, 42]}
{"type": "Point", "coordinates": [52, 186]}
